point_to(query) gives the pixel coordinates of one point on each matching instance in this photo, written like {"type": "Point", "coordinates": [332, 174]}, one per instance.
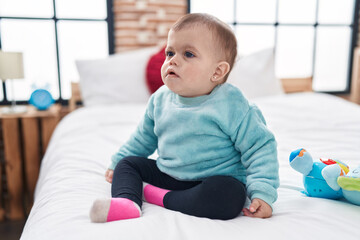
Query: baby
{"type": "Point", "coordinates": [213, 145]}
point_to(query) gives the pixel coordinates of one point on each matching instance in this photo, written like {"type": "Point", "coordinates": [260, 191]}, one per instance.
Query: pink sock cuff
{"type": "Point", "coordinates": [122, 208]}
{"type": "Point", "coordinates": [155, 195]}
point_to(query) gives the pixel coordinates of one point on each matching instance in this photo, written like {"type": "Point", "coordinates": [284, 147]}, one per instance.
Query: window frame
{"type": "Point", "coordinates": [354, 32]}
{"type": "Point", "coordinates": [111, 43]}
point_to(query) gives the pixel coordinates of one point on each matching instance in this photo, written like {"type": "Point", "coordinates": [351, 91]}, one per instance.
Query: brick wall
{"type": "Point", "coordinates": [144, 23]}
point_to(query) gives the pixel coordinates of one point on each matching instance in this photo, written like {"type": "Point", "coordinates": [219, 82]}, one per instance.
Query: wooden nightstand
{"type": "Point", "coordinates": [25, 138]}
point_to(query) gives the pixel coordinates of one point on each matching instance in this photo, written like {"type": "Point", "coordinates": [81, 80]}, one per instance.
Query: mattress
{"type": "Point", "coordinates": [72, 177]}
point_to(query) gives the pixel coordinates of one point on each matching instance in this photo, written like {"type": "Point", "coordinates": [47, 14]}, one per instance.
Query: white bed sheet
{"type": "Point", "coordinates": [72, 176]}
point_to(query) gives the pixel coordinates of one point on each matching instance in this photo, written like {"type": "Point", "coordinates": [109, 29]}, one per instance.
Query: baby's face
{"type": "Point", "coordinates": [190, 62]}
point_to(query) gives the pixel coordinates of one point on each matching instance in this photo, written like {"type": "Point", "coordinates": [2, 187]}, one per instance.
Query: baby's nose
{"type": "Point", "coordinates": [174, 60]}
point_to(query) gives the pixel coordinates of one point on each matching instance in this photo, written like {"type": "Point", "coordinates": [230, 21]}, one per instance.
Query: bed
{"type": "Point", "coordinates": [72, 171]}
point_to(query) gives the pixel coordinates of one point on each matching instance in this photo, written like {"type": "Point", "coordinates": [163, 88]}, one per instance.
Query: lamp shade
{"type": "Point", "coordinates": [11, 65]}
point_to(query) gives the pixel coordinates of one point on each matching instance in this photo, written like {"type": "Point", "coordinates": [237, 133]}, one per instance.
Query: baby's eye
{"type": "Point", "coordinates": [169, 53]}
{"type": "Point", "coordinates": [189, 55]}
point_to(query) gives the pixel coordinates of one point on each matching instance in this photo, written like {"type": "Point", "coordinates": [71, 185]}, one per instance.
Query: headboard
{"type": "Point", "coordinates": [75, 99]}
{"type": "Point", "coordinates": [291, 85]}
{"type": "Point", "coordinates": [355, 80]}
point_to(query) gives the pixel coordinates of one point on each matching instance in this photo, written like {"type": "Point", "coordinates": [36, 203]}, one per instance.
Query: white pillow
{"type": "Point", "coordinates": [120, 78]}
{"type": "Point", "coordinates": [254, 75]}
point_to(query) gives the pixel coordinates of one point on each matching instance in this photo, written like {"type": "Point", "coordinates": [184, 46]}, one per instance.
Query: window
{"type": "Point", "coordinates": [310, 37]}
{"type": "Point", "coordinates": [52, 35]}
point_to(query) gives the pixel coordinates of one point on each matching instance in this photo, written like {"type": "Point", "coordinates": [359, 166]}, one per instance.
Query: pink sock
{"type": "Point", "coordinates": [107, 210]}
{"type": "Point", "coordinates": [155, 195]}
{"type": "Point", "coordinates": [122, 208]}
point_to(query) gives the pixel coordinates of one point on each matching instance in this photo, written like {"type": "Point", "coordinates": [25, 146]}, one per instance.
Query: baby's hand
{"type": "Point", "coordinates": [258, 208]}
{"type": "Point", "coordinates": [109, 175]}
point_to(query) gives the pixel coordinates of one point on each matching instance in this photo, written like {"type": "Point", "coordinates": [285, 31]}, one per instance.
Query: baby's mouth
{"type": "Point", "coordinates": [172, 74]}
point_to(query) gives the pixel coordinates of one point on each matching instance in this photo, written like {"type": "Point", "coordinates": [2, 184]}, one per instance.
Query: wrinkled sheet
{"type": "Point", "coordinates": [72, 177]}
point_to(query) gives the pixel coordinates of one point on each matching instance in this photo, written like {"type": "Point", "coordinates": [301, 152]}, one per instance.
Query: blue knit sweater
{"type": "Point", "coordinates": [215, 134]}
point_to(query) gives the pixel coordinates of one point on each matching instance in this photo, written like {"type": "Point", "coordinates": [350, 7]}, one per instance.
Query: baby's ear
{"type": "Point", "coordinates": [221, 70]}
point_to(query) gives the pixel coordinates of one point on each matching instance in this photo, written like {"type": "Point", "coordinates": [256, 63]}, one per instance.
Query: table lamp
{"type": "Point", "coordinates": [11, 67]}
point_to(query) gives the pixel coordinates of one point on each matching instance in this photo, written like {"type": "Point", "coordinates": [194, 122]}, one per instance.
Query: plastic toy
{"type": "Point", "coordinates": [350, 185]}
{"type": "Point", "coordinates": [326, 178]}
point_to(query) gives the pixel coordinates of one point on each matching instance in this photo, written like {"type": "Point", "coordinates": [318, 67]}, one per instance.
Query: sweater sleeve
{"type": "Point", "coordinates": [257, 146]}
{"type": "Point", "coordinates": [143, 142]}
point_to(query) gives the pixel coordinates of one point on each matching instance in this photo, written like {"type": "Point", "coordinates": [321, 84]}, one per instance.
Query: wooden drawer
{"type": "Point", "coordinates": [25, 138]}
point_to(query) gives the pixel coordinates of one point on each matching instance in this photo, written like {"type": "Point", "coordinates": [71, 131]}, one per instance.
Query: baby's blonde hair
{"type": "Point", "coordinates": [223, 34]}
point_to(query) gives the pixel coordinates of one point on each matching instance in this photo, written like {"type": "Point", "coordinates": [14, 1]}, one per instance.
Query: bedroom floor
{"type": "Point", "coordinates": [11, 230]}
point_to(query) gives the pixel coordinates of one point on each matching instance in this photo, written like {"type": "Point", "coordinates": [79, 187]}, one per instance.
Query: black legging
{"type": "Point", "coordinates": [217, 197]}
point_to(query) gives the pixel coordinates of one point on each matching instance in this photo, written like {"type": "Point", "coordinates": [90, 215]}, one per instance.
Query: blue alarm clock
{"type": "Point", "coordinates": [41, 99]}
